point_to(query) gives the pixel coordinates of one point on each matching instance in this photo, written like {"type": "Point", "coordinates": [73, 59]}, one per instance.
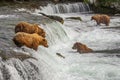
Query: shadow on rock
{"type": "Point", "coordinates": [6, 55]}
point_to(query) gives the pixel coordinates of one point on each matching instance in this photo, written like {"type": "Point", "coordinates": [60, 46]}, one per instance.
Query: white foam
{"type": "Point", "coordinates": [77, 66]}
{"type": "Point", "coordinates": [7, 16]}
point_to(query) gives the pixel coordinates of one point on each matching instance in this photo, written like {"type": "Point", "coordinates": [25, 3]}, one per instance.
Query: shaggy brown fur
{"type": "Point", "coordinates": [81, 48]}
{"type": "Point", "coordinates": [29, 40]}
{"type": "Point", "coordinates": [105, 19]}
{"type": "Point", "coordinates": [29, 28]}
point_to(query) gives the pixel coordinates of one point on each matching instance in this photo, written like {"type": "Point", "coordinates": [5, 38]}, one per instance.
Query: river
{"type": "Point", "coordinates": [104, 64]}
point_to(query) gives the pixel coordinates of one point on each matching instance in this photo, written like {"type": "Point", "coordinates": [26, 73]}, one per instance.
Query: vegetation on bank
{"type": "Point", "coordinates": [106, 6]}
{"type": "Point", "coordinates": [32, 4]}
{"type": "Point", "coordinates": [40, 0]}
{"type": "Point", "coordinates": [107, 2]}
{"type": "Point", "coordinates": [29, 4]}
{"type": "Point", "coordinates": [100, 6]}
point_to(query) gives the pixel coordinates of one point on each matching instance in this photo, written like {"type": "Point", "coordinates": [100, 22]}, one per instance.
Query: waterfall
{"type": "Point", "coordinates": [40, 68]}
{"type": "Point", "coordinates": [15, 69]}
{"type": "Point", "coordinates": [45, 64]}
{"type": "Point", "coordinates": [66, 8]}
{"type": "Point", "coordinates": [55, 32]}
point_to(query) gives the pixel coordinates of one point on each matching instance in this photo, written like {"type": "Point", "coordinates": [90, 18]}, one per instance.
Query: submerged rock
{"type": "Point", "coordinates": [75, 18]}
{"type": "Point", "coordinates": [57, 18]}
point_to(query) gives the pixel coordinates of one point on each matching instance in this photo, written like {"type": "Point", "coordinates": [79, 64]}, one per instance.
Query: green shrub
{"type": "Point", "coordinates": [107, 2]}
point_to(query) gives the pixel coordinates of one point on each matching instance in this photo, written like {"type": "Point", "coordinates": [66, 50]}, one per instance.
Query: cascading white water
{"type": "Point", "coordinates": [55, 32]}
{"type": "Point", "coordinates": [103, 65]}
{"type": "Point", "coordinates": [66, 8]}
{"type": "Point", "coordinates": [92, 1]}
{"type": "Point", "coordinates": [42, 68]}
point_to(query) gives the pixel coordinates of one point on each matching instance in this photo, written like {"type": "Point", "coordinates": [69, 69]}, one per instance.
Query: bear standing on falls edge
{"type": "Point", "coordinates": [29, 40]}
{"type": "Point", "coordinates": [105, 19]}
{"type": "Point", "coordinates": [29, 28]}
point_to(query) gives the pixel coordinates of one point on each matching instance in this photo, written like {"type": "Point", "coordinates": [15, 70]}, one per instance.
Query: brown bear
{"type": "Point", "coordinates": [105, 19]}
{"type": "Point", "coordinates": [29, 40]}
{"type": "Point", "coordinates": [29, 28]}
{"type": "Point", "coordinates": [81, 48]}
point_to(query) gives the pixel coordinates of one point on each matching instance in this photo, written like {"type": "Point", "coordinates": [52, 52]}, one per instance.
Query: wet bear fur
{"type": "Point", "coordinates": [81, 48]}
{"type": "Point", "coordinates": [29, 28]}
{"type": "Point", "coordinates": [105, 19]}
{"type": "Point", "coordinates": [29, 40]}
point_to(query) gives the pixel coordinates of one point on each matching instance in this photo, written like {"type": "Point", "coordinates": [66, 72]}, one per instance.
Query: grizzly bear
{"type": "Point", "coordinates": [81, 48]}
{"type": "Point", "coordinates": [105, 19]}
{"type": "Point", "coordinates": [29, 40]}
{"type": "Point", "coordinates": [29, 28]}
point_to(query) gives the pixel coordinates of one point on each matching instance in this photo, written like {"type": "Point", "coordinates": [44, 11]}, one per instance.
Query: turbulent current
{"type": "Point", "coordinates": [45, 64]}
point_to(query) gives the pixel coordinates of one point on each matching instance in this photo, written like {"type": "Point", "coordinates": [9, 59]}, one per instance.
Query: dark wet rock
{"type": "Point", "coordinates": [57, 18]}
{"type": "Point", "coordinates": [75, 18]}
{"type": "Point", "coordinates": [7, 54]}
{"type": "Point", "coordinates": [111, 51]}
{"type": "Point", "coordinates": [117, 28]}
{"type": "Point", "coordinates": [60, 55]}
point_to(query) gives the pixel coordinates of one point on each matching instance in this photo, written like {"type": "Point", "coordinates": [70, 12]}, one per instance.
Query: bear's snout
{"type": "Point", "coordinates": [46, 46]}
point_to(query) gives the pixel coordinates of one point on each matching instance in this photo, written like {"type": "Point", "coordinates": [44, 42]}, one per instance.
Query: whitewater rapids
{"type": "Point", "coordinates": [104, 65]}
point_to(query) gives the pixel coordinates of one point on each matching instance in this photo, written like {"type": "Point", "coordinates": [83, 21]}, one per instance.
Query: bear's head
{"type": "Point", "coordinates": [39, 30]}
{"type": "Point", "coordinates": [76, 45]}
{"type": "Point", "coordinates": [95, 17]}
{"type": "Point", "coordinates": [17, 43]}
{"type": "Point", "coordinates": [44, 42]}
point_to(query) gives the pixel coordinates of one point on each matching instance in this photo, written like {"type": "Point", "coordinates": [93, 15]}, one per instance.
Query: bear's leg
{"type": "Point", "coordinates": [98, 23]}
{"type": "Point", "coordinates": [35, 48]}
{"type": "Point", "coordinates": [107, 24]}
{"type": "Point", "coordinates": [78, 50]}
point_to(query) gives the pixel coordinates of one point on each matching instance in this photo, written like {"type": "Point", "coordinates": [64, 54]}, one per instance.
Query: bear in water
{"type": "Point", "coordinates": [81, 48]}
{"type": "Point", "coordinates": [105, 19]}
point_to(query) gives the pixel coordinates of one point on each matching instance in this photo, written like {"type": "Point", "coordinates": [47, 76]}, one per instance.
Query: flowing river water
{"type": "Point", "coordinates": [104, 64]}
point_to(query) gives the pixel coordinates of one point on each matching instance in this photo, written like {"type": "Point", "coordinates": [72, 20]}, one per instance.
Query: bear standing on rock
{"type": "Point", "coordinates": [29, 40]}
{"type": "Point", "coordinates": [105, 19]}
{"type": "Point", "coordinates": [29, 28]}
